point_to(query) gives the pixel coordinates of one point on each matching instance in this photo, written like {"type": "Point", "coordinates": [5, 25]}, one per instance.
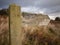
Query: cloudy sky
{"type": "Point", "coordinates": [50, 7]}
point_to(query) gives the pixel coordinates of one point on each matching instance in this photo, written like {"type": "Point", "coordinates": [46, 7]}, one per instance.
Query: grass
{"type": "Point", "coordinates": [40, 38]}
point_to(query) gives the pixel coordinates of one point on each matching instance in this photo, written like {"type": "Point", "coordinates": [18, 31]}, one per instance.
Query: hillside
{"type": "Point", "coordinates": [32, 19]}
{"type": "Point", "coordinates": [55, 26]}
{"type": "Point", "coordinates": [32, 35]}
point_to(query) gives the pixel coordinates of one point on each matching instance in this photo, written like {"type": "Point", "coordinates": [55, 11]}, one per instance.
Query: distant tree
{"type": "Point", "coordinates": [3, 12]}
{"type": "Point", "coordinates": [57, 19]}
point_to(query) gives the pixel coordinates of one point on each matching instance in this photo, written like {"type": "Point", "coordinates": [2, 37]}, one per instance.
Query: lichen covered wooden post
{"type": "Point", "coordinates": [15, 24]}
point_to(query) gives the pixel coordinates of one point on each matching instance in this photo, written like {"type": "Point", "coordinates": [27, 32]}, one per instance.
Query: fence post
{"type": "Point", "coordinates": [15, 24]}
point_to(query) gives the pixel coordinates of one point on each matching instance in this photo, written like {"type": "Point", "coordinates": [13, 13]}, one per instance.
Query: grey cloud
{"type": "Point", "coordinates": [50, 6]}
{"type": "Point", "coordinates": [5, 3]}
{"type": "Point", "coordinates": [40, 3]}
{"type": "Point", "coordinates": [54, 9]}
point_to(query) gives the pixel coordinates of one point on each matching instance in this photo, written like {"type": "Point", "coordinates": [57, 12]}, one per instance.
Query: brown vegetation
{"type": "Point", "coordinates": [40, 36]}
{"type": "Point", "coordinates": [43, 35]}
{"type": "Point", "coordinates": [4, 31]}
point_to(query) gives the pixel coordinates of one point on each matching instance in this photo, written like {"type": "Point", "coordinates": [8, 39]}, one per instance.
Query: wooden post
{"type": "Point", "coordinates": [15, 24]}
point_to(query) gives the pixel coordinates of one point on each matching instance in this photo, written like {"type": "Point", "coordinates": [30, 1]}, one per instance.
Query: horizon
{"type": "Point", "coordinates": [49, 7]}
{"type": "Point", "coordinates": [51, 17]}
